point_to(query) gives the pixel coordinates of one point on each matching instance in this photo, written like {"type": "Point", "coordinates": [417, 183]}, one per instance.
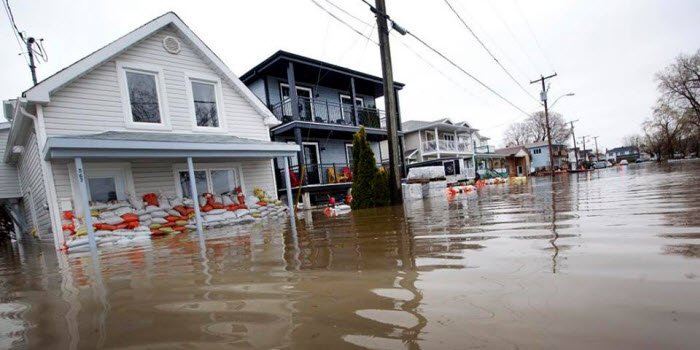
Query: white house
{"type": "Point", "coordinates": [137, 116]}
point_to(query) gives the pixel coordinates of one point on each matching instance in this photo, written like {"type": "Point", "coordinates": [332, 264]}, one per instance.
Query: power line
{"type": "Point", "coordinates": [348, 13]}
{"type": "Point", "coordinates": [343, 22]}
{"type": "Point", "coordinates": [489, 51]}
{"type": "Point", "coordinates": [15, 32]}
{"type": "Point", "coordinates": [532, 33]}
{"type": "Point", "coordinates": [402, 30]}
{"type": "Point", "coordinates": [512, 35]}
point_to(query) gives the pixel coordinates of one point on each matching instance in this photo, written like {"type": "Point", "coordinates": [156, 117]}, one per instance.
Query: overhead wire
{"type": "Point", "coordinates": [347, 12]}
{"type": "Point", "coordinates": [512, 35]}
{"type": "Point", "coordinates": [343, 22]}
{"type": "Point", "coordinates": [532, 33]}
{"type": "Point", "coordinates": [454, 11]}
{"type": "Point", "coordinates": [15, 32]}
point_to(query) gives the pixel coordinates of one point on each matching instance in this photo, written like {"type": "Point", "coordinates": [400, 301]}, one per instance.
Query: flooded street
{"type": "Point", "coordinates": [605, 260]}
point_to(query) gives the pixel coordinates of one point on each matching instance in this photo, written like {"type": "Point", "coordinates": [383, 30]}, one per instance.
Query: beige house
{"type": "Point", "coordinates": [146, 113]}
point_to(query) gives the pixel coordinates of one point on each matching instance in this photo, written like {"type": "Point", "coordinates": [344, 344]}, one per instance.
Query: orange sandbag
{"type": "Point", "coordinates": [121, 226]}
{"type": "Point", "coordinates": [180, 209]}
{"type": "Point", "coordinates": [207, 208]}
{"type": "Point", "coordinates": [172, 218]}
{"type": "Point", "coordinates": [189, 211]}
{"type": "Point", "coordinates": [105, 227]}
{"type": "Point", "coordinates": [130, 217]}
{"type": "Point", "coordinates": [179, 228]}
{"type": "Point", "coordinates": [68, 215]}
{"type": "Point", "coordinates": [169, 224]}
{"type": "Point", "coordinates": [69, 227]}
{"type": "Point", "coordinates": [132, 225]}
{"type": "Point", "coordinates": [157, 232]}
{"type": "Point", "coordinates": [218, 206]}
{"type": "Point", "coordinates": [151, 199]}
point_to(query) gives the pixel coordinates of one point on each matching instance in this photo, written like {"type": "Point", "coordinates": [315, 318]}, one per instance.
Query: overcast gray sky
{"type": "Point", "coordinates": [605, 51]}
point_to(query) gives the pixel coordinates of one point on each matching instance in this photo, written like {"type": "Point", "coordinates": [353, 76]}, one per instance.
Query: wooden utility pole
{"type": "Point", "coordinates": [596, 148]}
{"type": "Point", "coordinates": [543, 97]}
{"type": "Point", "coordinates": [573, 135]}
{"type": "Point", "coordinates": [389, 102]}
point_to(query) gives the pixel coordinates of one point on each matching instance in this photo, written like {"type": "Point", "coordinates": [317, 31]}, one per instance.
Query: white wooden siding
{"type": "Point", "coordinates": [93, 103]}
{"type": "Point", "coordinates": [31, 180]}
{"type": "Point", "coordinates": [9, 181]}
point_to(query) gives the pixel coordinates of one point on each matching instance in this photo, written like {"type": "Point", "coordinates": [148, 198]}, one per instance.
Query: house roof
{"type": "Point", "coordinates": [276, 64]}
{"type": "Point", "coordinates": [121, 144]}
{"type": "Point", "coordinates": [622, 149]}
{"type": "Point", "coordinates": [510, 151]}
{"type": "Point", "coordinates": [41, 93]}
{"type": "Point", "coordinates": [541, 144]}
{"type": "Point", "coordinates": [442, 124]}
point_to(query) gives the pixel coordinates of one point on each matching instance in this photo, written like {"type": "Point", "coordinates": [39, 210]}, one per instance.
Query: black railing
{"type": "Point", "coordinates": [318, 174]}
{"type": "Point", "coordinates": [328, 112]}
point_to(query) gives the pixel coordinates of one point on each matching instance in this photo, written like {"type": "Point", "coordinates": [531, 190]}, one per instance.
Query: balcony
{"type": "Point", "coordinates": [327, 112]}
{"type": "Point", "coordinates": [446, 146]}
{"type": "Point", "coordinates": [318, 175]}
{"type": "Point", "coordinates": [485, 149]}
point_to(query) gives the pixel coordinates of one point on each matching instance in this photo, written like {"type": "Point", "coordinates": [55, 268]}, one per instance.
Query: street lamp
{"type": "Point", "coordinates": [558, 98]}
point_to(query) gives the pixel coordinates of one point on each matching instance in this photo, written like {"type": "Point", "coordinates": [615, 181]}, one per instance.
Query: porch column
{"type": "Point", "coordinates": [402, 145]}
{"type": "Point", "coordinates": [300, 154]}
{"type": "Point", "coordinates": [293, 91]}
{"type": "Point", "coordinates": [82, 185]}
{"type": "Point", "coordinates": [456, 142]}
{"type": "Point", "coordinates": [195, 196]}
{"type": "Point", "coordinates": [288, 185]}
{"type": "Point", "coordinates": [437, 142]}
{"type": "Point", "coordinates": [354, 104]}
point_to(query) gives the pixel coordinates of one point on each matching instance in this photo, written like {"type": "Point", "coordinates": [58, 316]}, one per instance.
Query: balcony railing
{"type": "Point", "coordinates": [328, 112]}
{"type": "Point", "coordinates": [446, 146]}
{"type": "Point", "coordinates": [485, 149]}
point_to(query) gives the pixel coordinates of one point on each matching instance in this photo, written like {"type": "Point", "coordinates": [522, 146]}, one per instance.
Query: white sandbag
{"type": "Point", "coordinates": [123, 210]}
{"type": "Point", "coordinates": [98, 206]}
{"type": "Point", "coordinates": [242, 212]}
{"type": "Point", "coordinates": [159, 221]}
{"type": "Point", "coordinates": [140, 212]}
{"type": "Point", "coordinates": [426, 173]}
{"type": "Point", "coordinates": [217, 199]}
{"type": "Point", "coordinates": [146, 223]}
{"type": "Point", "coordinates": [136, 202]}
{"type": "Point", "coordinates": [109, 240]}
{"type": "Point", "coordinates": [226, 200]}
{"type": "Point", "coordinates": [117, 205]}
{"type": "Point", "coordinates": [216, 212]}
{"type": "Point", "coordinates": [253, 205]}
{"type": "Point", "coordinates": [164, 203]}
{"type": "Point", "coordinates": [159, 214]}
{"type": "Point", "coordinates": [80, 241]}
{"type": "Point", "coordinates": [106, 214]}
{"type": "Point", "coordinates": [113, 220]}
{"type": "Point", "coordinates": [213, 218]}
{"type": "Point", "coordinates": [173, 212]}
{"type": "Point", "coordinates": [152, 208]}
{"type": "Point", "coordinates": [188, 202]}
{"type": "Point", "coordinates": [191, 227]}
{"type": "Point", "coordinates": [229, 215]}
{"type": "Point", "coordinates": [145, 217]}
{"type": "Point", "coordinates": [174, 202]}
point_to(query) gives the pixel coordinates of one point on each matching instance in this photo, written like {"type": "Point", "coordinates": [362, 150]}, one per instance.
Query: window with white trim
{"type": "Point", "coordinates": [206, 109]}
{"type": "Point", "coordinates": [448, 137]}
{"type": "Point", "coordinates": [212, 180]}
{"type": "Point", "coordinates": [143, 96]}
{"type": "Point", "coordinates": [105, 186]}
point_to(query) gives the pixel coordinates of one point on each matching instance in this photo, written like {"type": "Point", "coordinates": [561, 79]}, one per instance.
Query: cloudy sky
{"type": "Point", "coordinates": [606, 52]}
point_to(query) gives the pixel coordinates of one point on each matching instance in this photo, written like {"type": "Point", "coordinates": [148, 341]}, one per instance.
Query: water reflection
{"type": "Point", "coordinates": [506, 266]}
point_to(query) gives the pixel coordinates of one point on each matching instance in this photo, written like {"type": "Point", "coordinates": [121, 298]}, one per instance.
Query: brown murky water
{"type": "Point", "coordinates": [606, 260]}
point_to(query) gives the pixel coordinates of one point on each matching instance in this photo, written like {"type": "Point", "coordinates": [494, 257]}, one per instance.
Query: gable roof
{"type": "Point", "coordinates": [444, 123]}
{"type": "Point", "coordinates": [41, 93]}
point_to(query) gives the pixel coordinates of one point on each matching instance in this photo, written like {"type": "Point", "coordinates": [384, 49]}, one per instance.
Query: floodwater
{"type": "Point", "coordinates": [604, 260]}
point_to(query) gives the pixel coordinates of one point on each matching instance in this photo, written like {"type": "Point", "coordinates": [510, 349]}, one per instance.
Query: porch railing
{"type": "Point", "coordinates": [319, 174]}
{"type": "Point", "coordinates": [447, 146]}
{"type": "Point", "coordinates": [485, 149]}
{"type": "Point", "coordinates": [328, 112]}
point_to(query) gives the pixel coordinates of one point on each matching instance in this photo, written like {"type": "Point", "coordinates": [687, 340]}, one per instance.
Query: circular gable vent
{"type": "Point", "coordinates": [171, 44]}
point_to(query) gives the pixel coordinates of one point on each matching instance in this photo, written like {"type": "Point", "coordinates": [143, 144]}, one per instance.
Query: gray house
{"type": "Point", "coordinates": [139, 115]}
{"type": "Point", "coordinates": [319, 106]}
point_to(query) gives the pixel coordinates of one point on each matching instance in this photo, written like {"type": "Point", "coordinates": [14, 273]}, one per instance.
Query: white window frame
{"type": "Point", "coordinates": [357, 99]}
{"type": "Point", "coordinates": [311, 97]}
{"type": "Point", "coordinates": [191, 77]}
{"type": "Point", "coordinates": [348, 147]}
{"type": "Point", "coordinates": [448, 137]}
{"type": "Point", "coordinates": [208, 167]}
{"type": "Point", "coordinates": [157, 71]}
{"type": "Point", "coordinates": [111, 169]}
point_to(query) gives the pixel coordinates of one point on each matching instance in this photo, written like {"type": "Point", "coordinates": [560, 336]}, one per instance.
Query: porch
{"type": "Point", "coordinates": [123, 165]}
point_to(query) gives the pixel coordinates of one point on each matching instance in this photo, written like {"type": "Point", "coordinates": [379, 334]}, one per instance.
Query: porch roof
{"type": "Point", "coordinates": [117, 144]}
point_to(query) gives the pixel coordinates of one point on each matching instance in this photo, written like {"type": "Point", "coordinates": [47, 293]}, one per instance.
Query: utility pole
{"type": "Point", "coordinates": [389, 99]}
{"type": "Point", "coordinates": [573, 135]}
{"type": "Point", "coordinates": [543, 97]}
{"type": "Point", "coordinates": [30, 51]}
{"type": "Point", "coordinates": [585, 157]}
{"type": "Point", "coordinates": [596, 148]}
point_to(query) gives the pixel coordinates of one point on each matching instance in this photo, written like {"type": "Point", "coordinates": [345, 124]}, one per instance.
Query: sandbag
{"type": "Point", "coordinates": [145, 217]}
{"type": "Point", "coordinates": [106, 214]}
{"type": "Point", "coordinates": [151, 199]}
{"type": "Point", "coordinates": [98, 206]}
{"type": "Point", "coordinates": [113, 220]}
{"type": "Point", "coordinates": [216, 211]}
{"type": "Point", "coordinates": [226, 200]}
{"type": "Point", "coordinates": [181, 222]}
{"type": "Point", "coordinates": [159, 214]}
{"type": "Point", "coordinates": [117, 205]}
{"type": "Point", "coordinates": [123, 210]}
{"type": "Point", "coordinates": [130, 217]}
{"type": "Point", "coordinates": [159, 220]}
{"type": "Point", "coordinates": [213, 218]}
{"type": "Point", "coordinates": [176, 202]}
{"type": "Point", "coordinates": [154, 226]}
{"type": "Point", "coordinates": [136, 203]}
{"type": "Point", "coordinates": [152, 208]}
{"type": "Point", "coordinates": [173, 212]}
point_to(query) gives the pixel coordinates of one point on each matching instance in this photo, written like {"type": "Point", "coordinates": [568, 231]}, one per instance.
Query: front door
{"type": "Point", "coordinates": [312, 163]}
{"type": "Point", "coordinates": [346, 102]}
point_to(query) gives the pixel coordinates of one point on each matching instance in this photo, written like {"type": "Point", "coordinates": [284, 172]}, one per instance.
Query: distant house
{"type": "Point", "coordinates": [319, 106]}
{"type": "Point", "coordinates": [583, 156]}
{"type": "Point", "coordinates": [440, 142]}
{"type": "Point", "coordinates": [136, 116]}
{"type": "Point", "coordinates": [629, 153]}
{"type": "Point", "coordinates": [516, 160]}
{"type": "Point", "coordinates": [539, 153]}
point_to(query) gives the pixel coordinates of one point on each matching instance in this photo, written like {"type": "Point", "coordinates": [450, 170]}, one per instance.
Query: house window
{"type": "Point", "coordinates": [205, 105]}
{"type": "Point", "coordinates": [348, 153]}
{"type": "Point", "coordinates": [102, 189]}
{"type": "Point", "coordinates": [537, 151]}
{"type": "Point", "coordinates": [143, 97]}
{"type": "Point", "coordinates": [448, 137]}
{"type": "Point", "coordinates": [216, 181]}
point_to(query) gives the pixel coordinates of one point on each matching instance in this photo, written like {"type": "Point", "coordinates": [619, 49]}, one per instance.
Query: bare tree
{"type": "Point", "coordinates": [632, 140]}
{"type": "Point", "coordinates": [534, 129]}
